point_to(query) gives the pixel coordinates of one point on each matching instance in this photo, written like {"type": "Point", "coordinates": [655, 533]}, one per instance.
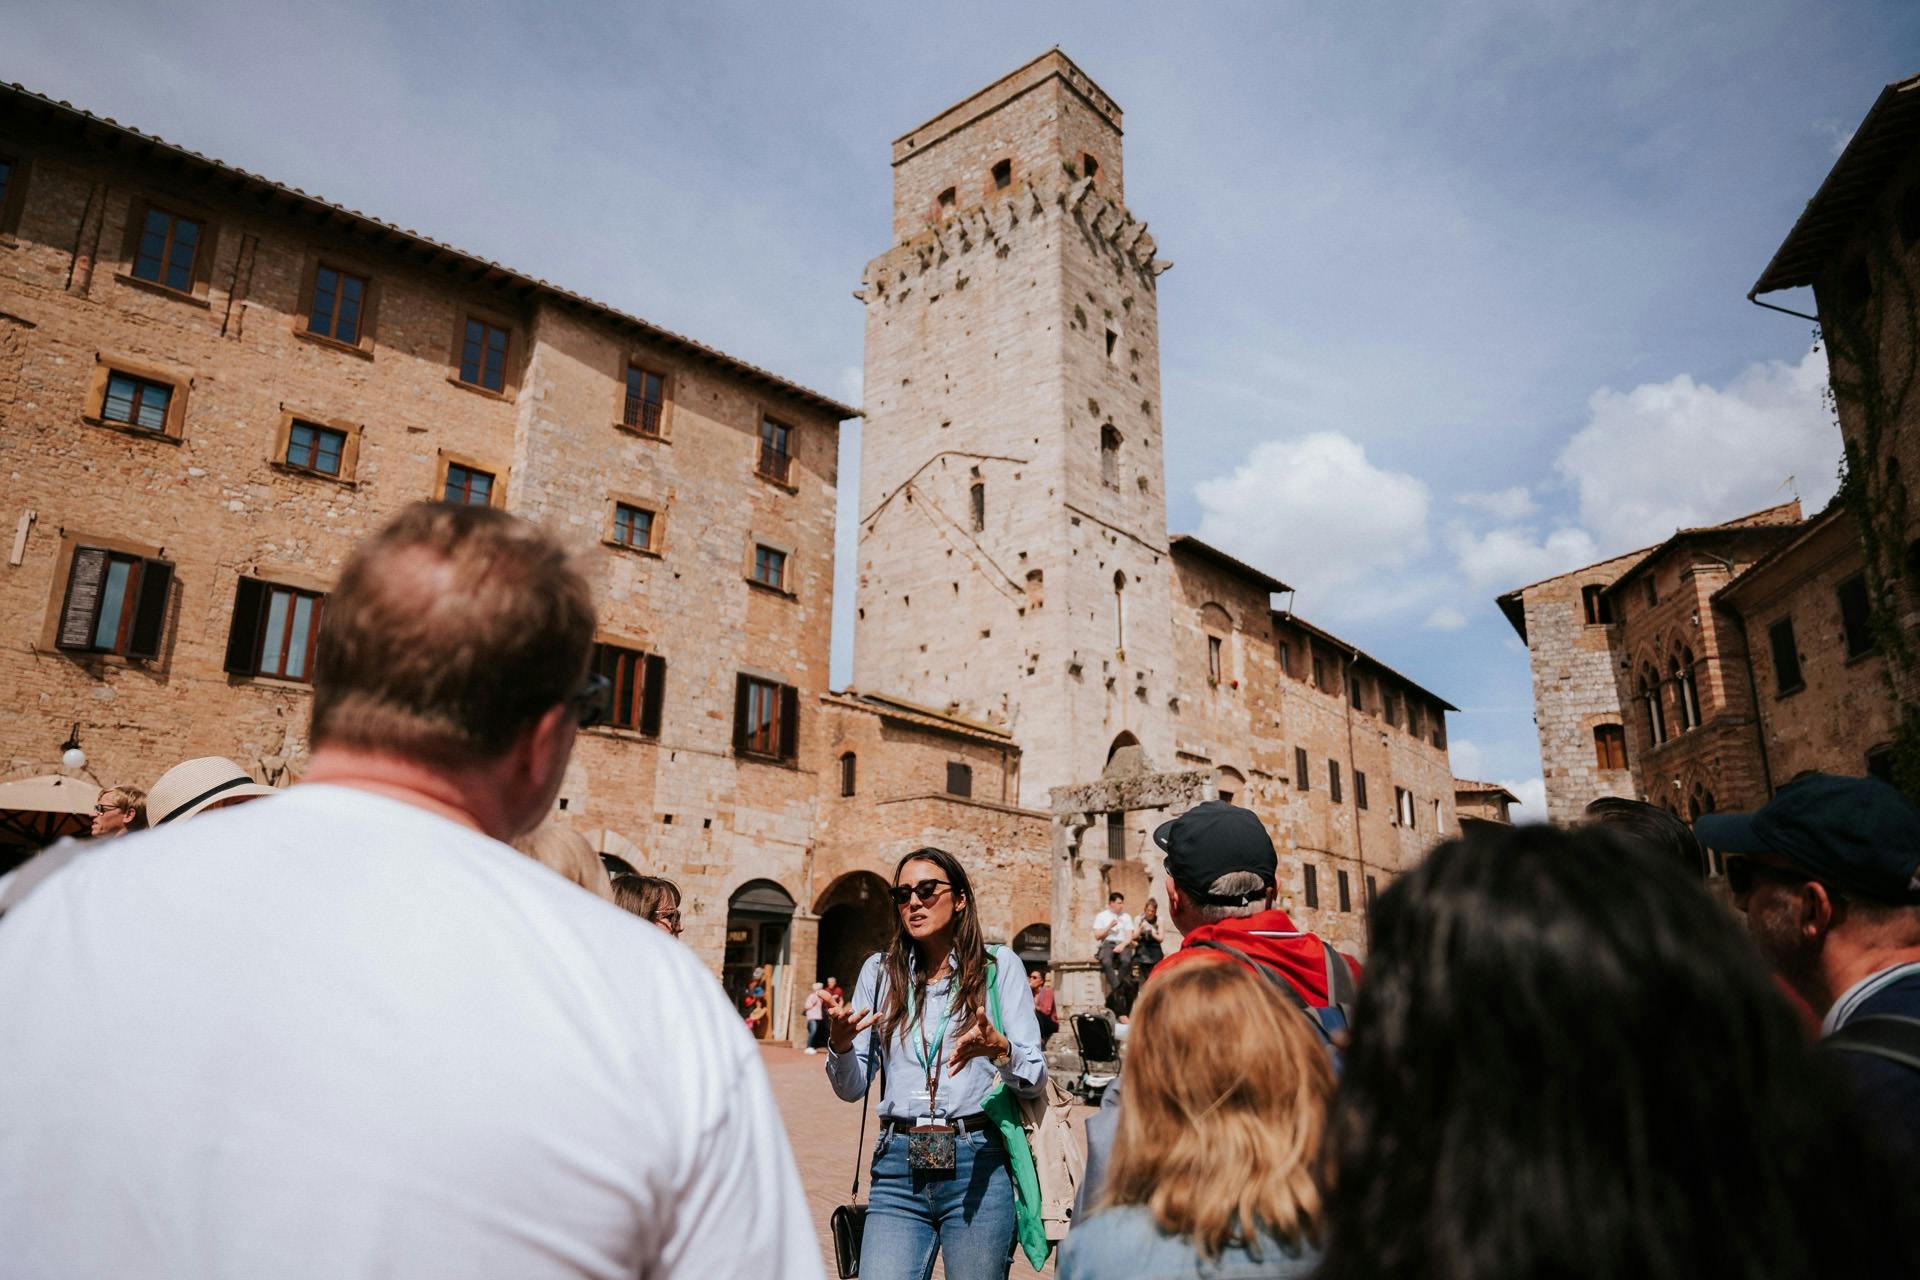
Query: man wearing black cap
{"type": "Point", "coordinates": [1828, 873]}
{"type": "Point", "coordinates": [1220, 888]}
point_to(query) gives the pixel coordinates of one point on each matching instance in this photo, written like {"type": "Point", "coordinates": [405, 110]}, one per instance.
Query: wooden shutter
{"type": "Point", "coordinates": [652, 690]}
{"type": "Point", "coordinates": [243, 636]}
{"type": "Point", "coordinates": [150, 609]}
{"type": "Point", "coordinates": [1300, 778]}
{"type": "Point", "coordinates": [80, 610]}
{"type": "Point", "coordinates": [789, 722]}
{"type": "Point", "coordinates": [739, 714]}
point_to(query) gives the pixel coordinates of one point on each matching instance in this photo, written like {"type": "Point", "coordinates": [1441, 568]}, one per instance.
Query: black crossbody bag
{"type": "Point", "coordinates": [849, 1221]}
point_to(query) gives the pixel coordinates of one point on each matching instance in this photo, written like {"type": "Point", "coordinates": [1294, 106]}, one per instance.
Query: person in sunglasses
{"type": "Point", "coordinates": [345, 1030]}
{"type": "Point", "coordinates": [923, 1017]}
{"type": "Point", "coordinates": [117, 811]}
{"type": "Point", "coordinates": [1828, 874]}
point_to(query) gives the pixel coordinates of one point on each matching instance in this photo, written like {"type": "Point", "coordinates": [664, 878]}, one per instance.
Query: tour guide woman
{"type": "Point", "coordinates": [921, 1014]}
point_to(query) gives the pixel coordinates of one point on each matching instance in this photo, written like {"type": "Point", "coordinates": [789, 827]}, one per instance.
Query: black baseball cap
{"type": "Point", "coordinates": [1852, 833]}
{"type": "Point", "coordinates": [1214, 839]}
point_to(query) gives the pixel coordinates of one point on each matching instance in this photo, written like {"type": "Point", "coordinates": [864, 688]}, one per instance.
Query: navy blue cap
{"type": "Point", "coordinates": [1852, 833]}
{"type": "Point", "coordinates": [1214, 839]}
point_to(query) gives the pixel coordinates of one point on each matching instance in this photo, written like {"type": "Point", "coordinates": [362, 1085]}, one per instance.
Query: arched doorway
{"type": "Point", "coordinates": [856, 920]}
{"type": "Point", "coordinates": [759, 916]}
{"type": "Point", "coordinates": [1034, 945]}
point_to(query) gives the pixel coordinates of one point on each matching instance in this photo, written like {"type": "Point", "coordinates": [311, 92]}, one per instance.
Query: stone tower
{"type": "Point", "coordinates": [1013, 562]}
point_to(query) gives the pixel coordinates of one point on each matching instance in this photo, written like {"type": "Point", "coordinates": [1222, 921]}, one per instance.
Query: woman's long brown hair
{"type": "Point", "coordinates": [1227, 1095]}
{"type": "Point", "coordinates": [970, 954]}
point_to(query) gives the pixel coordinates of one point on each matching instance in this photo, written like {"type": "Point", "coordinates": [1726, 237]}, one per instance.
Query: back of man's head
{"type": "Point", "coordinates": [451, 631]}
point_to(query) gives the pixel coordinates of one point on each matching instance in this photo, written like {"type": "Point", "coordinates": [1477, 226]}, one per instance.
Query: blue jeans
{"type": "Point", "coordinates": [965, 1216]}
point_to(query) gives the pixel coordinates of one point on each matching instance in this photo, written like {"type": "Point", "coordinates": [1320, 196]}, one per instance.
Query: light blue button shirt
{"type": "Point", "coordinates": [905, 1082]}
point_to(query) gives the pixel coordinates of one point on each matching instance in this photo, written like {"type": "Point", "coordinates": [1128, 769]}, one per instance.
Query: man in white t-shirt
{"type": "Point", "coordinates": [346, 1031]}
{"type": "Point", "coordinates": [1111, 929]}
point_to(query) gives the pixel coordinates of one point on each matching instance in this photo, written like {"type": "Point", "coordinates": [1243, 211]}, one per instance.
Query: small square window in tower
{"type": "Point", "coordinates": [959, 778]}
{"type": "Point", "coordinates": [1089, 167]}
{"type": "Point", "coordinates": [1597, 607]}
{"type": "Point", "coordinates": [977, 504]}
{"type": "Point", "coordinates": [1110, 455]}
{"type": "Point", "coordinates": [1002, 175]}
{"type": "Point", "coordinates": [1213, 659]}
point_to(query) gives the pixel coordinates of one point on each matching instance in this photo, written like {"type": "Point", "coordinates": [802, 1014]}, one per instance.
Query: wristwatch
{"type": "Point", "coordinates": [1003, 1059]}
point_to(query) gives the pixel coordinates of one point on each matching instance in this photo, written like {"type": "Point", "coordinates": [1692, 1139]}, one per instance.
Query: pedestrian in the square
{"type": "Point", "coordinates": [815, 1013]}
{"type": "Point", "coordinates": [118, 810]}
{"type": "Point", "coordinates": [1566, 1061]}
{"type": "Point", "coordinates": [1213, 1170]}
{"type": "Point", "coordinates": [1111, 929]}
{"type": "Point", "coordinates": [921, 1018]}
{"type": "Point", "coordinates": [1147, 946]}
{"type": "Point", "coordinates": [1044, 1011]}
{"type": "Point", "coordinates": [347, 1031]}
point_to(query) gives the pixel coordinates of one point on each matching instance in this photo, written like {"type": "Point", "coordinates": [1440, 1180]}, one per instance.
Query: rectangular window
{"type": "Point", "coordinates": [1595, 605]}
{"type": "Point", "coordinates": [1439, 738]}
{"type": "Point", "coordinates": [848, 773]}
{"type": "Point", "coordinates": [1653, 592]}
{"type": "Point", "coordinates": [1373, 891]}
{"type": "Point", "coordinates": [338, 301]}
{"type": "Point", "coordinates": [1403, 807]}
{"type": "Point", "coordinates": [639, 686]}
{"type": "Point", "coordinates": [1333, 780]}
{"type": "Point", "coordinates": [1414, 713]}
{"type": "Point", "coordinates": [273, 630]}
{"type": "Point", "coordinates": [646, 400]}
{"type": "Point", "coordinates": [1311, 884]}
{"type": "Point", "coordinates": [1355, 694]}
{"type": "Point", "coordinates": [1390, 706]}
{"type": "Point", "coordinates": [1286, 658]}
{"type": "Point", "coordinates": [1359, 789]}
{"type": "Point", "coordinates": [136, 402]}
{"type": "Point", "coordinates": [959, 778]}
{"type": "Point", "coordinates": [1856, 626]}
{"type": "Point", "coordinates": [1300, 779]}
{"type": "Point", "coordinates": [776, 450]}
{"type": "Point", "coordinates": [770, 567]}
{"type": "Point", "coordinates": [1346, 893]}
{"type": "Point", "coordinates": [114, 602]}
{"type": "Point", "coordinates": [633, 526]}
{"type": "Point", "coordinates": [1610, 746]}
{"type": "Point", "coordinates": [312, 447]}
{"type": "Point", "coordinates": [1213, 658]}
{"type": "Point", "coordinates": [483, 355]}
{"type": "Point", "coordinates": [467, 486]}
{"type": "Point", "coordinates": [6, 180]}
{"type": "Point", "coordinates": [977, 504]}
{"type": "Point", "coordinates": [166, 250]}
{"type": "Point", "coordinates": [1116, 836]}
{"type": "Point", "coordinates": [1786, 657]}
{"type": "Point", "coordinates": [766, 719]}
{"type": "Point", "coordinates": [1319, 673]}
{"type": "Point", "coordinates": [1435, 805]}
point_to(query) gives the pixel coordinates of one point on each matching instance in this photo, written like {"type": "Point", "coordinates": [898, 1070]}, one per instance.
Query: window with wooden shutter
{"type": "Point", "coordinates": [114, 602]}
{"type": "Point", "coordinates": [1300, 779]}
{"type": "Point", "coordinates": [275, 630]}
{"type": "Point", "coordinates": [1346, 893]}
{"type": "Point", "coordinates": [243, 633]}
{"type": "Point", "coordinates": [1333, 780]}
{"type": "Point", "coordinates": [653, 695]}
{"type": "Point", "coordinates": [849, 767]}
{"type": "Point", "coordinates": [637, 681]}
{"type": "Point", "coordinates": [1312, 876]}
{"type": "Point", "coordinates": [959, 778]}
{"type": "Point", "coordinates": [766, 719]}
{"type": "Point", "coordinates": [1359, 789]}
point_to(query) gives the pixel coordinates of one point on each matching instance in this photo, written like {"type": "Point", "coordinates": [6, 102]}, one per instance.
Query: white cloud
{"type": "Point", "coordinates": [1445, 618]}
{"type": "Point", "coordinates": [1465, 758]}
{"type": "Point", "coordinates": [1533, 798]}
{"type": "Point", "coordinates": [1515, 555]}
{"type": "Point", "coordinates": [1667, 455]}
{"type": "Point", "coordinates": [1316, 512]}
{"type": "Point", "coordinates": [1511, 504]}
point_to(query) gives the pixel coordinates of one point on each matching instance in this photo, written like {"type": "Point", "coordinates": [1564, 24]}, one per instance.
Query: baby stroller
{"type": "Point", "coordinates": [1099, 1057]}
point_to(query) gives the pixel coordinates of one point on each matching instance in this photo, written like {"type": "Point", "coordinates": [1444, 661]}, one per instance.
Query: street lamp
{"type": "Point", "coordinates": [70, 753]}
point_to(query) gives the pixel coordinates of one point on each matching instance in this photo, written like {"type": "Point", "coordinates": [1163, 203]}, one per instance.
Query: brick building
{"type": "Point", "coordinates": [1485, 802]}
{"type": "Point", "coordinates": [1014, 562]}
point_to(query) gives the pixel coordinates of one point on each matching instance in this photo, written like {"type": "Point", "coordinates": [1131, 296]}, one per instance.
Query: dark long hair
{"type": "Point", "coordinates": [1568, 1061]}
{"type": "Point", "coordinates": [970, 953]}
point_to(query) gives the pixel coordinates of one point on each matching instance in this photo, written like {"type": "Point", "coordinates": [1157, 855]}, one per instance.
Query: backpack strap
{"type": "Point", "coordinates": [1340, 985]}
{"type": "Point", "coordinates": [1881, 1035]}
{"type": "Point", "coordinates": [36, 870]}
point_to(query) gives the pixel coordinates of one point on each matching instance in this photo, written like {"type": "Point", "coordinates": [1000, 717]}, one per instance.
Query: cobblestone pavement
{"type": "Point", "coordinates": [824, 1131]}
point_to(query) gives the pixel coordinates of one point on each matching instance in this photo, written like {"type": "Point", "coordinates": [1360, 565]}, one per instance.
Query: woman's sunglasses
{"type": "Point", "coordinates": [926, 891]}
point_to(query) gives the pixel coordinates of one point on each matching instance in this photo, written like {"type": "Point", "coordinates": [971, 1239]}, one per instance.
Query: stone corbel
{"type": "Point", "coordinates": [1160, 266]}
{"type": "Point", "coordinates": [1135, 238]}
{"type": "Point", "coordinates": [1077, 193]}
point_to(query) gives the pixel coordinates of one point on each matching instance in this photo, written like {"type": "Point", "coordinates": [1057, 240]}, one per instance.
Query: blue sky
{"type": "Point", "coordinates": [1460, 289]}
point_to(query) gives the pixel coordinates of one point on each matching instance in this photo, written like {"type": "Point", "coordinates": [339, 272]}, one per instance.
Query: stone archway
{"type": "Point", "coordinates": [759, 929]}
{"type": "Point", "coordinates": [856, 920]}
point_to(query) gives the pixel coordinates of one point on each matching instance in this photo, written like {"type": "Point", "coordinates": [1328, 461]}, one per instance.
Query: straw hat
{"type": "Point", "coordinates": [192, 785]}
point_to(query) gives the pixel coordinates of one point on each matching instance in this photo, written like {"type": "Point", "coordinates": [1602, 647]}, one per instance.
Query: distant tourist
{"type": "Point", "coordinates": [1828, 874]}
{"type": "Point", "coordinates": [1566, 1061]}
{"type": "Point", "coordinates": [201, 786]}
{"type": "Point", "coordinates": [941, 1183]}
{"type": "Point", "coordinates": [346, 1031]}
{"type": "Point", "coordinates": [816, 1014]}
{"type": "Point", "coordinates": [117, 810]}
{"type": "Point", "coordinates": [1111, 929]}
{"type": "Point", "coordinates": [1146, 948]}
{"type": "Point", "coordinates": [1043, 1006]}
{"type": "Point", "coordinates": [1213, 1170]}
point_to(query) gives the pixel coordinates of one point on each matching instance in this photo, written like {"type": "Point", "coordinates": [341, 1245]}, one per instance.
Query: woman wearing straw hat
{"type": "Point", "coordinates": [195, 786]}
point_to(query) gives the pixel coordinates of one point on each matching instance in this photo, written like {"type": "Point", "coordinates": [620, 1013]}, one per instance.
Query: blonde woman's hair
{"type": "Point", "coordinates": [1227, 1094]}
{"type": "Point", "coordinates": [566, 851]}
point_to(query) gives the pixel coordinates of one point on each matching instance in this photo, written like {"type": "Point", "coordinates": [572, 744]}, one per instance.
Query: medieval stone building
{"type": "Point", "coordinates": [212, 384]}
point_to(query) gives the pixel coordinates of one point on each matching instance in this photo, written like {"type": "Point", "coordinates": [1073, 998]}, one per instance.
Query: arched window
{"type": "Point", "coordinates": [1110, 455]}
{"type": "Point", "coordinates": [1651, 700]}
{"type": "Point", "coordinates": [977, 504]}
{"type": "Point", "coordinates": [847, 773]}
{"type": "Point", "coordinates": [1119, 610]}
{"type": "Point", "coordinates": [1689, 690]}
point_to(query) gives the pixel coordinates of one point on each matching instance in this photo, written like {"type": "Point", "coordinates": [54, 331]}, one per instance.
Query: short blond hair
{"type": "Point", "coordinates": [566, 851]}
{"type": "Point", "coordinates": [1226, 1108]}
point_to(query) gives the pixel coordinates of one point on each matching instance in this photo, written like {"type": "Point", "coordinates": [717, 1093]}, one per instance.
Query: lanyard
{"type": "Point", "coordinates": [928, 1056]}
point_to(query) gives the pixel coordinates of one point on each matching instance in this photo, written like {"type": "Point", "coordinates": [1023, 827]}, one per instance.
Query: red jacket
{"type": "Point", "coordinates": [1272, 938]}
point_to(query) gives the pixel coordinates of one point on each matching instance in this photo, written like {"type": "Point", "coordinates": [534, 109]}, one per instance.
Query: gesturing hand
{"type": "Point", "coordinates": [844, 1023]}
{"type": "Point", "coordinates": [979, 1040]}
